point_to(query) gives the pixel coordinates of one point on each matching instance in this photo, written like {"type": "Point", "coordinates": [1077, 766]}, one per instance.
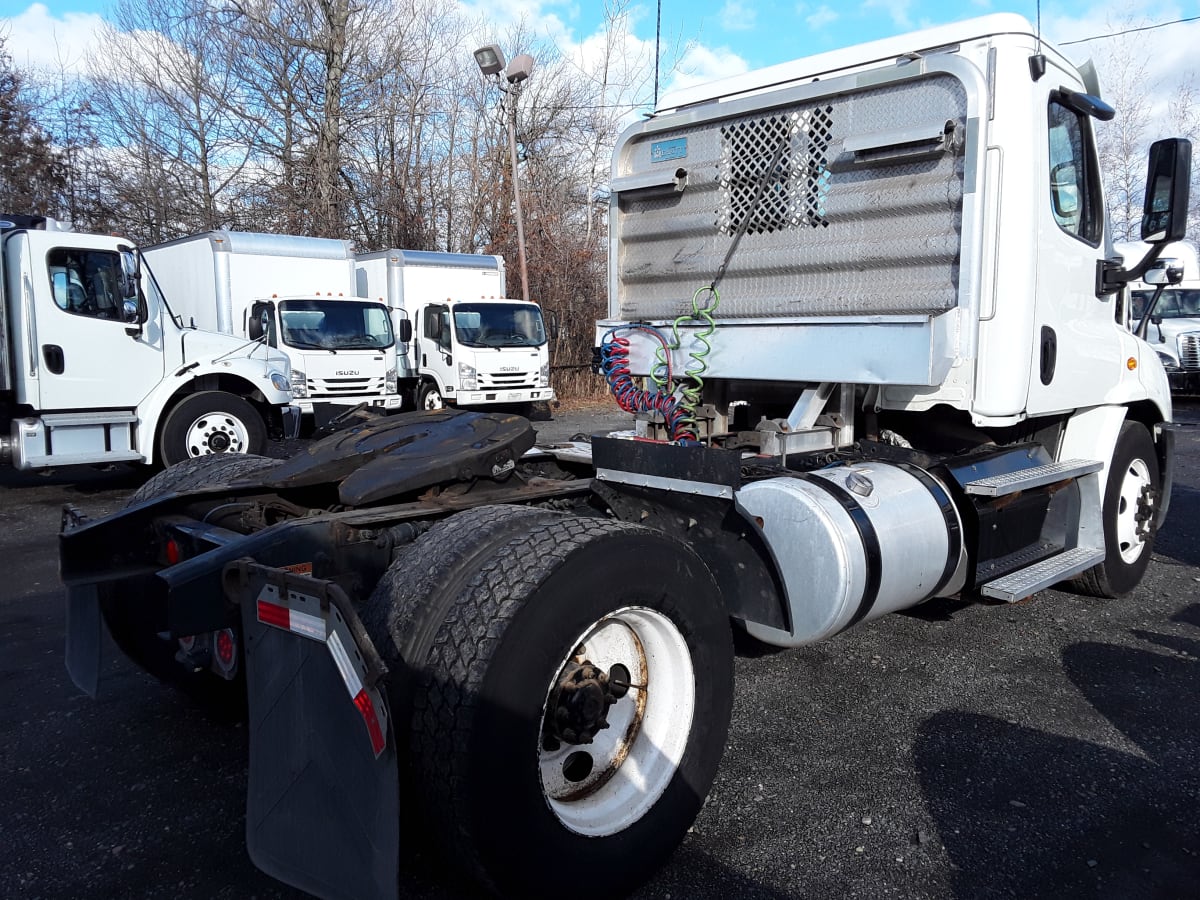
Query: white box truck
{"type": "Point", "coordinates": [96, 368]}
{"type": "Point", "coordinates": [471, 345]}
{"type": "Point", "coordinates": [1174, 327]}
{"type": "Point", "coordinates": [300, 293]}
{"type": "Point", "coordinates": [871, 293]}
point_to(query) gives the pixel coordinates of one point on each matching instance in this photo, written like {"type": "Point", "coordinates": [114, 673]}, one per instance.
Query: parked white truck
{"type": "Point", "coordinates": [471, 346]}
{"type": "Point", "coordinates": [96, 368]}
{"type": "Point", "coordinates": [300, 293]}
{"type": "Point", "coordinates": [1174, 327]}
{"type": "Point", "coordinates": [869, 296]}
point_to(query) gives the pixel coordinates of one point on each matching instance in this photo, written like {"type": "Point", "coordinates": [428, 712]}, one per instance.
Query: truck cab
{"type": "Point", "coordinates": [477, 352]}
{"type": "Point", "coordinates": [97, 368]}
{"type": "Point", "coordinates": [343, 350]}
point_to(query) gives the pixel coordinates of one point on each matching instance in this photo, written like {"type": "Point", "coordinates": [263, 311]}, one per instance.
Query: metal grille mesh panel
{"type": "Point", "coordinates": [832, 236]}
{"type": "Point", "coordinates": [1189, 350]}
{"type": "Point", "coordinates": [793, 195]}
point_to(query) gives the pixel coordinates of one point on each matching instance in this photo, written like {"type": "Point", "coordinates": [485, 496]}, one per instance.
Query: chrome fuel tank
{"type": "Point", "coordinates": [854, 542]}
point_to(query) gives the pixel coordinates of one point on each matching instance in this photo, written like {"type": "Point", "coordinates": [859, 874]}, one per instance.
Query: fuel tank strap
{"type": "Point", "coordinates": [870, 540]}
{"type": "Point", "coordinates": [949, 513]}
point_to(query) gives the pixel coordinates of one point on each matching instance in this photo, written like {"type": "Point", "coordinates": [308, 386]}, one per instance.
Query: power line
{"type": "Point", "coordinates": [1100, 37]}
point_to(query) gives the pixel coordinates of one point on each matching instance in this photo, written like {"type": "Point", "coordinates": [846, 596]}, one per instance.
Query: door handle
{"type": "Point", "coordinates": [56, 362]}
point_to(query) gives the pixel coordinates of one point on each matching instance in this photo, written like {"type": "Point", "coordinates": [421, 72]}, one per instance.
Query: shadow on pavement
{"type": "Point", "coordinates": [1027, 813]}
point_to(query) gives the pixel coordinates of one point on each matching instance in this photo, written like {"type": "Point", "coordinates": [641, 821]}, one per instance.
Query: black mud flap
{"type": "Point", "coordinates": [84, 637]}
{"type": "Point", "coordinates": [322, 806]}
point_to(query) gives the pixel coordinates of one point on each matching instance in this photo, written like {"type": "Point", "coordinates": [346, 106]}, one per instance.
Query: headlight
{"type": "Point", "coordinates": [299, 384]}
{"type": "Point", "coordinates": [280, 382]}
{"type": "Point", "coordinates": [1169, 362]}
{"type": "Point", "coordinates": [544, 375]}
{"type": "Point", "coordinates": [468, 377]}
{"type": "Point", "coordinates": [390, 382]}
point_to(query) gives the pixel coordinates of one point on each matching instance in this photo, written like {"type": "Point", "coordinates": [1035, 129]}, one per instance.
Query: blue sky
{"type": "Point", "coordinates": [712, 38]}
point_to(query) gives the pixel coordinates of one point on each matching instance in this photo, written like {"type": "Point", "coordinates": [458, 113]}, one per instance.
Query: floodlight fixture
{"type": "Point", "coordinates": [490, 59]}
{"type": "Point", "coordinates": [519, 69]}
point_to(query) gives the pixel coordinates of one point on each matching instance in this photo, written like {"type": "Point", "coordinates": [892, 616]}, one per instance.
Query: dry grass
{"type": "Point", "coordinates": [580, 388]}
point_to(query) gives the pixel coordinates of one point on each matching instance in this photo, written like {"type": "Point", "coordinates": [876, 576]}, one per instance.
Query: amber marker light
{"type": "Point", "coordinates": [1131, 364]}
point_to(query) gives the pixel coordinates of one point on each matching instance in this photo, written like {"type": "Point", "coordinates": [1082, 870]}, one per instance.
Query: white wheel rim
{"type": "Point", "coordinates": [216, 432]}
{"type": "Point", "coordinates": [433, 399]}
{"type": "Point", "coordinates": [635, 758]}
{"type": "Point", "coordinates": [1131, 539]}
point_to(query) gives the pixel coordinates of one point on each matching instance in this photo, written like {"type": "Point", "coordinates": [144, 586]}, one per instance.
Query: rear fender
{"type": "Point", "coordinates": [322, 806]}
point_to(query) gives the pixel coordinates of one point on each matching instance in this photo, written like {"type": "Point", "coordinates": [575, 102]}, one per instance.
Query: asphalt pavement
{"type": "Point", "coordinates": [1049, 748]}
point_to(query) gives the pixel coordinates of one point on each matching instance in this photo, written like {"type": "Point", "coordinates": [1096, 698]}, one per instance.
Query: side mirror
{"type": "Point", "coordinates": [131, 273]}
{"type": "Point", "coordinates": [405, 332]}
{"type": "Point", "coordinates": [1168, 179]}
{"type": "Point", "coordinates": [552, 326]}
{"type": "Point", "coordinates": [130, 311]}
{"type": "Point", "coordinates": [259, 322]}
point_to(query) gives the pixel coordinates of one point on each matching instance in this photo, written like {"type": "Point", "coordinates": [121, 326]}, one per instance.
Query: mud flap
{"type": "Point", "coordinates": [84, 637]}
{"type": "Point", "coordinates": [322, 806]}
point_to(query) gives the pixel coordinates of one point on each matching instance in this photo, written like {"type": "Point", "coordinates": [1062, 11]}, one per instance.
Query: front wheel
{"type": "Point", "coordinates": [430, 397]}
{"type": "Point", "coordinates": [1131, 499]}
{"type": "Point", "coordinates": [209, 423]}
{"type": "Point", "coordinates": [581, 700]}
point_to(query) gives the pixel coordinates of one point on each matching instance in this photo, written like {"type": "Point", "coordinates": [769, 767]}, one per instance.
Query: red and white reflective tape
{"type": "Point", "coordinates": [292, 620]}
{"type": "Point", "coordinates": [279, 615]}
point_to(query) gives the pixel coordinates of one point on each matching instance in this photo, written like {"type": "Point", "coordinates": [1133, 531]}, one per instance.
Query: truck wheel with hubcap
{"type": "Point", "coordinates": [1131, 500]}
{"type": "Point", "coordinates": [210, 423]}
{"type": "Point", "coordinates": [430, 397]}
{"type": "Point", "coordinates": [577, 686]}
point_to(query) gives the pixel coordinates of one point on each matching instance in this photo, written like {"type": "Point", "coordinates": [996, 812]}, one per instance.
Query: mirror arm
{"type": "Point", "coordinates": [1144, 324]}
{"type": "Point", "coordinates": [1111, 279]}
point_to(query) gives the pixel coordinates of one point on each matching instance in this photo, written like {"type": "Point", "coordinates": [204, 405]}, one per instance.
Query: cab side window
{"type": "Point", "coordinates": [1074, 188]}
{"type": "Point", "coordinates": [86, 282]}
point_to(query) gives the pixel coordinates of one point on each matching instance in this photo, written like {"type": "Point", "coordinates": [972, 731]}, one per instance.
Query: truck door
{"type": "Point", "coordinates": [1077, 350]}
{"type": "Point", "coordinates": [86, 356]}
{"type": "Point", "coordinates": [435, 356]}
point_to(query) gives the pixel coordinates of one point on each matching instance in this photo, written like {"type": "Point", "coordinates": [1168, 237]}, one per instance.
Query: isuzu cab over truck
{"type": "Point", "coordinates": [297, 292]}
{"type": "Point", "coordinates": [96, 368]}
{"type": "Point", "coordinates": [471, 346]}
{"type": "Point", "coordinates": [862, 306]}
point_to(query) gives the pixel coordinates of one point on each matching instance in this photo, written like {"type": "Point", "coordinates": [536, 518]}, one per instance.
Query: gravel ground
{"type": "Point", "coordinates": [1046, 749]}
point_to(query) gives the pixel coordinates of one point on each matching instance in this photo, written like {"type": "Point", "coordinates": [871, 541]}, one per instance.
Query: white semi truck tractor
{"type": "Point", "coordinates": [299, 294]}
{"type": "Point", "coordinates": [96, 367]}
{"type": "Point", "coordinates": [862, 307]}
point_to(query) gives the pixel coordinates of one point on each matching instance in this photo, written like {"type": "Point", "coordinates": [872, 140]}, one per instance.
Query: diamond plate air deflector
{"type": "Point", "coordinates": [831, 237]}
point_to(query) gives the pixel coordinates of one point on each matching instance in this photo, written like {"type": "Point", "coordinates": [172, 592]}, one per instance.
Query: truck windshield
{"type": "Point", "coordinates": [499, 325]}
{"type": "Point", "coordinates": [1175, 303]}
{"type": "Point", "coordinates": [335, 325]}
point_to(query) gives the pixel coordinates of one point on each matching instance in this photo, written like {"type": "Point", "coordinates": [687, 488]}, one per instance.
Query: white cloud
{"type": "Point", "coordinates": [820, 17]}
{"type": "Point", "coordinates": [736, 16]}
{"type": "Point", "coordinates": [701, 64]}
{"type": "Point", "coordinates": [39, 40]}
{"type": "Point", "coordinates": [897, 11]}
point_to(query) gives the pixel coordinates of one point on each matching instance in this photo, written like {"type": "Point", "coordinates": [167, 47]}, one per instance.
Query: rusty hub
{"type": "Point", "coordinates": [579, 706]}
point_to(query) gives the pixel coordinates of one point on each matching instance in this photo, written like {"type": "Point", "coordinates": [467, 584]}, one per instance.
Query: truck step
{"type": "Point", "coordinates": [1028, 581]}
{"type": "Point", "coordinates": [1011, 482]}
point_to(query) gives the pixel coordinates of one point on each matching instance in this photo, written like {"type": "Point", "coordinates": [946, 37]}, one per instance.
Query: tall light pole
{"type": "Point", "coordinates": [490, 60]}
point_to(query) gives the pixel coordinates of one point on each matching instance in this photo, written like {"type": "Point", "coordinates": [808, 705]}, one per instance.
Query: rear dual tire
{"type": "Point", "coordinates": [485, 641]}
